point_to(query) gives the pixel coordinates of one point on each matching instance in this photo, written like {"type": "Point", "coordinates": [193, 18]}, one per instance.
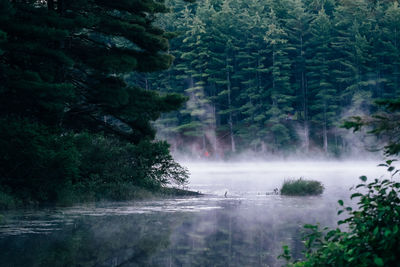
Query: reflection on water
{"type": "Point", "coordinates": [246, 228]}
{"type": "Point", "coordinates": [48, 220]}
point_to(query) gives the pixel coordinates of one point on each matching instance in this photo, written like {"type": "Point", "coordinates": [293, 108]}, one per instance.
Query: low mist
{"type": "Point", "coordinates": [258, 177]}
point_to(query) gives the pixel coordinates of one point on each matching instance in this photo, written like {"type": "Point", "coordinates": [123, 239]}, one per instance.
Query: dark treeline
{"type": "Point", "coordinates": [276, 76]}
{"type": "Point", "coordinates": [71, 126]}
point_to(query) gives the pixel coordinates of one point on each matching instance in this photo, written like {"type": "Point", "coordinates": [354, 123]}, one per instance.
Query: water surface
{"type": "Point", "coordinates": [238, 222]}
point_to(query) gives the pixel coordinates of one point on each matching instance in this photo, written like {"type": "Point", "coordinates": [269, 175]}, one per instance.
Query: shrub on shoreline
{"type": "Point", "coordinates": [372, 234]}
{"type": "Point", "coordinates": [301, 187]}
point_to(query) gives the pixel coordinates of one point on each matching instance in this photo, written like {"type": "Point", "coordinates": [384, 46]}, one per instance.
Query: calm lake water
{"type": "Point", "coordinates": [246, 228]}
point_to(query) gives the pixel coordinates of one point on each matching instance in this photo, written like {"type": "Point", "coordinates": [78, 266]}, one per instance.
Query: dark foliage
{"type": "Point", "coordinates": [68, 117]}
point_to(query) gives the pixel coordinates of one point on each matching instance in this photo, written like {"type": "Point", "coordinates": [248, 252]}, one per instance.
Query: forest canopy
{"type": "Point", "coordinates": [277, 76]}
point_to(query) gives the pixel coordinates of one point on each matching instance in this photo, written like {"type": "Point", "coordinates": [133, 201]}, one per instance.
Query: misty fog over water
{"type": "Point", "coordinates": [254, 178]}
{"type": "Point", "coordinates": [238, 222]}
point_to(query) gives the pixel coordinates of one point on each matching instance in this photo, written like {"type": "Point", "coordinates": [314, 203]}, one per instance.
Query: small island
{"type": "Point", "coordinates": [301, 187]}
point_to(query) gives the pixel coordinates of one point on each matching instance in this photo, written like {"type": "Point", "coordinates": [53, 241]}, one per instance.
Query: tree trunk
{"type": "Point", "coordinates": [273, 71]}
{"type": "Point", "coordinates": [233, 145]}
{"type": "Point", "coordinates": [305, 102]}
{"type": "Point", "coordinates": [325, 132]}
{"type": "Point", "coordinates": [396, 73]}
{"type": "Point", "coordinates": [230, 122]}
{"type": "Point", "coordinates": [306, 137]}
{"type": "Point", "coordinates": [263, 147]}
{"type": "Point", "coordinates": [336, 139]}
{"type": "Point", "coordinates": [191, 82]}
{"type": "Point", "coordinates": [305, 110]}
{"type": "Point", "coordinates": [258, 74]}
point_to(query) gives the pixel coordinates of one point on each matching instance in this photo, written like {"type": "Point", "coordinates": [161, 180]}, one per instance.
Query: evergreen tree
{"type": "Point", "coordinates": [390, 40]}
{"type": "Point", "coordinates": [352, 48]}
{"type": "Point", "coordinates": [324, 95]}
{"type": "Point", "coordinates": [298, 33]}
{"type": "Point", "coordinates": [252, 72]}
{"type": "Point", "coordinates": [280, 92]}
{"type": "Point", "coordinates": [63, 66]}
{"type": "Point", "coordinates": [274, 90]}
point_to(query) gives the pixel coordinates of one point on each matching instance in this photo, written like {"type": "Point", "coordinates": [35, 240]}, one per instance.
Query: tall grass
{"type": "Point", "coordinates": [301, 187]}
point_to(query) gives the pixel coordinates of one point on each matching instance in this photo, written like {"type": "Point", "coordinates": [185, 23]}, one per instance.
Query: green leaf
{"type": "Point", "coordinates": [390, 161]}
{"type": "Point", "coordinates": [340, 202]}
{"type": "Point", "coordinates": [387, 232]}
{"type": "Point", "coordinates": [378, 261]}
{"type": "Point", "coordinates": [376, 230]}
{"type": "Point", "coordinates": [363, 178]}
{"type": "Point", "coordinates": [355, 195]}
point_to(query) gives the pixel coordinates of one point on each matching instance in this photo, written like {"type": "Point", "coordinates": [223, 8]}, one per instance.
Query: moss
{"type": "Point", "coordinates": [301, 187]}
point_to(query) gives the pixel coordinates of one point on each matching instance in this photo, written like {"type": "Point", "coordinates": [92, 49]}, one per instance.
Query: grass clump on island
{"type": "Point", "coordinates": [301, 187]}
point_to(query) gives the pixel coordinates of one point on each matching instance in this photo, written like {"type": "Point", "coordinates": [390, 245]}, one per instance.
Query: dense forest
{"type": "Point", "coordinates": [275, 76]}
{"type": "Point", "coordinates": [71, 126]}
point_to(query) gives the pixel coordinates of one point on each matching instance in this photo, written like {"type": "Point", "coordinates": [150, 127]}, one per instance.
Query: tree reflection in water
{"type": "Point", "coordinates": [237, 234]}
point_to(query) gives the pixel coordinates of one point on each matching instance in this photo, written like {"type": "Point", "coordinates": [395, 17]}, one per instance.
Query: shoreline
{"type": "Point", "coordinates": [137, 194]}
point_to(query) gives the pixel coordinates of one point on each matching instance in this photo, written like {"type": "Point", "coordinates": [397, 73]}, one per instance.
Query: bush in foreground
{"type": "Point", "coordinates": [373, 235]}
{"type": "Point", "coordinates": [301, 187]}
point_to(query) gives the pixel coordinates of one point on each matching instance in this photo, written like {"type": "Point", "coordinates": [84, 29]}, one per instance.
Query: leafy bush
{"type": "Point", "coordinates": [41, 165]}
{"type": "Point", "coordinates": [373, 235]}
{"type": "Point", "coordinates": [301, 187]}
{"type": "Point", "coordinates": [35, 162]}
{"type": "Point", "coordinates": [111, 169]}
{"type": "Point", "coordinates": [106, 160]}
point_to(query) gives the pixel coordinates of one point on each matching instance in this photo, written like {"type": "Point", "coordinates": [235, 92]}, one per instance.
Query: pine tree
{"type": "Point", "coordinates": [324, 106]}
{"type": "Point", "coordinates": [63, 66]}
{"type": "Point", "coordinates": [390, 40]}
{"type": "Point", "coordinates": [251, 72]}
{"type": "Point", "coordinates": [352, 47]}
{"type": "Point", "coordinates": [223, 61]}
{"type": "Point", "coordinates": [298, 32]}
{"type": "Point", "coordinates": [280, 92]}
{"type": "Point", "coordinates": [195, 58]}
